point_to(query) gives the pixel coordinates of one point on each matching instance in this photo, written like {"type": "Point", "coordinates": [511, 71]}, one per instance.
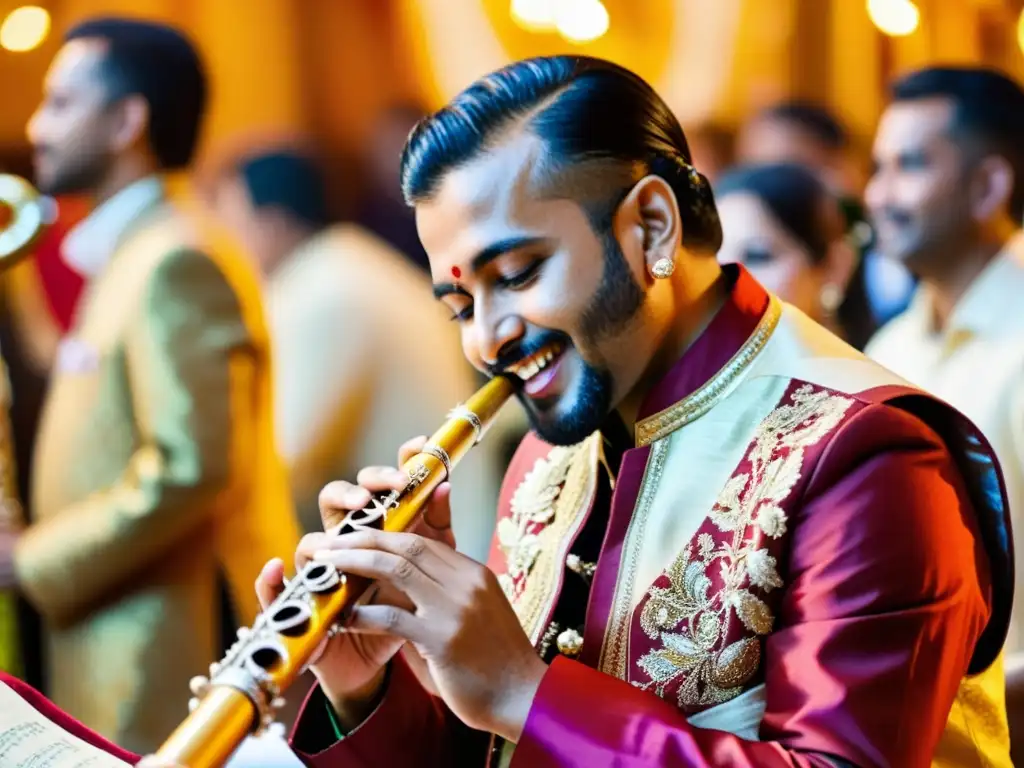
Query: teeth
{"type": "Point", "coordinates": [534, 364]}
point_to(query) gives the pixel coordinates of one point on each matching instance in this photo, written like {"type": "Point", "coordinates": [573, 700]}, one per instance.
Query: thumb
{"type": "Point", "coordinates": [436, 520]}
{"type": "Point", "coordinates": [270, 582]}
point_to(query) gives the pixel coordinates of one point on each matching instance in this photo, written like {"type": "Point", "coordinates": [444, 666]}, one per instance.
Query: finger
{"type": "Point", "coordinates": [270, 582]}
{"type": "Point", "coordinates": [410, 448]}
{"type": "Point", "coordinates": [433, 558]}
{"type": "Point", "coordinates": [436, 521]}
{"type": "Point", "coordinates": [386, 567]}
{"type": "Point", "coordinates": [309, 545]}
{"type": "Point", "coordinates": [382, 479]}
{"type": "Point", "coordinates": [387, 620]}
{"type": "Point", "coordinates": [339, 498]}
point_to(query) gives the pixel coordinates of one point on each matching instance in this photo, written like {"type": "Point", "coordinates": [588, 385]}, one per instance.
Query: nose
{"type": "Point", "coordinates": [495, 338]}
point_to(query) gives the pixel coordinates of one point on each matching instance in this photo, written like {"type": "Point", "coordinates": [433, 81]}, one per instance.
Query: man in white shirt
{"type": "Point", "coordinates": [947, 198]}
{"type": "Point", "coordinates": [364, 357]}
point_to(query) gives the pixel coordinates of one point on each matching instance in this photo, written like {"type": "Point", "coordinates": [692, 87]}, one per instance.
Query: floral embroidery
{"type": "Point", "coordinates": [705, 657]}
{"type": "Point", "coordinates": [533, 506]}
{"type": "Point", "coordinates": [546, 507]}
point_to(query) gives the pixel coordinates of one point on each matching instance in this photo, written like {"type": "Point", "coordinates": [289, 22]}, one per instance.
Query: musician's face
{"type": "Point", "coordinates": [74, 129]}
{"type": "Point", "coordinates": [537, 292]}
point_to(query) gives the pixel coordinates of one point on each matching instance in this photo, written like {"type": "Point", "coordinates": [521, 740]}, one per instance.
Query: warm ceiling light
{"type": "Point", "coordinates": [894, 17]}
{"type": "Point", "coordinates": [534, 15]}
{"type": "Point", "coordinates": [578, 21]}
{"type": "Point", "coordinates": [581, 21]}
{"type": "Point", "coordinates": [1020, 31]}
{"type": "Point", "coordinates": [24, 28]}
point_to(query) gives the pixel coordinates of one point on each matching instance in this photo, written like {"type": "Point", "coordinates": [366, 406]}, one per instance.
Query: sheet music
{"type": "Point", "coordinates": [29, 740]}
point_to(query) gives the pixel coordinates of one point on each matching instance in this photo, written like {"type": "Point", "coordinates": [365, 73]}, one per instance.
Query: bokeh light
{"type": "Point", "coordinates": [896, 18]}
{"type": "Point", "coordinates": [578, 21]}
{"type": "Point", "coordinates": [534, 15]}
{"type": "Point", "coordinates": [581, 21]}
{"type": "Point", "coordinates": [25, 28]}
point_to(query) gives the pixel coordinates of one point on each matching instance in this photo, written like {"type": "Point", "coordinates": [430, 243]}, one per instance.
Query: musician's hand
{"type": "Point", "coordinates": [457, 617]}
{"type": "Point", "coordinates": [351, 666]}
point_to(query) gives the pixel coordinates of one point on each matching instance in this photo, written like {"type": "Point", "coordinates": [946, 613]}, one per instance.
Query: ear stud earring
{"type": "Point", "coordinates": [663, 268]}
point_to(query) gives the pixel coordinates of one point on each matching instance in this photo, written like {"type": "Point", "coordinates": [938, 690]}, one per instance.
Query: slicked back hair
{"type": "Point", "coordinates": [588, 114]}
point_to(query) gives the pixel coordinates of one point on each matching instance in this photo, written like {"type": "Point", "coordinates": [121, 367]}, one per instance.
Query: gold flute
{"type": "Point", "coordinates": [243, 691]}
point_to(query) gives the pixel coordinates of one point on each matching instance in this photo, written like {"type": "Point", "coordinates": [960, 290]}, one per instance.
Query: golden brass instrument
{"type": "Point", "coordinates": [244, 688]}
{"type": "Point", "coordinates": [29, 212]}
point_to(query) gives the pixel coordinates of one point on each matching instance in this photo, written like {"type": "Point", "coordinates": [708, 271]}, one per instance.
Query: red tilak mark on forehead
{"type": "Point", "coordinates": [456, 273]}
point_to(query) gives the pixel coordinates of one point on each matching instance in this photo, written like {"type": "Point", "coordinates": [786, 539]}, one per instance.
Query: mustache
{"type": "Point", "coordinates": [521, 349]}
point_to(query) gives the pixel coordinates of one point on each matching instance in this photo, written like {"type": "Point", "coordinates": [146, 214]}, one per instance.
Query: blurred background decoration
{"type": "Point", "coordinates": [328, 69]}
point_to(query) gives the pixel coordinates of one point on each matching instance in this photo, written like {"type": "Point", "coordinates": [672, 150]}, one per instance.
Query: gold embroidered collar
{"type": "Point", "coordinates": [701, 401]}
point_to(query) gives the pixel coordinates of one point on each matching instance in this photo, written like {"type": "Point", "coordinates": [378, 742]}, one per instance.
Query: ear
{"type": "Point", "coordinates": [991, 187]}
{"type": "Point", "coordinates": [647, 223]}
{"type": "Point", "coordinates": [131, 123]}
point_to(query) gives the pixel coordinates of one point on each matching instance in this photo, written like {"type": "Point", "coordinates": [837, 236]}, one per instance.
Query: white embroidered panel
{"type": "Point", "coordinates": [701, 457]}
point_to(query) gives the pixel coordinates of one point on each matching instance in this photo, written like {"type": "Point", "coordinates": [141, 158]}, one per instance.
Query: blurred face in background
{"type": "Point", "coordinates": [754, 238]}
{"type": "Point", "coordinates": [768, 139]}
{"type": "Point", "coordinates": [259, 231]}
{"type": "Point", "coordinates": [780, 260]}
{"type": "Point", "coordinates": [917, 194]}
{"type": "Point", "coordinates": [77, 131]}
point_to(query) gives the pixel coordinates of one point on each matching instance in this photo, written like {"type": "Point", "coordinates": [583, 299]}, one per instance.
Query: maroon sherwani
{"type": "Point", "coordinates": [795, 559]}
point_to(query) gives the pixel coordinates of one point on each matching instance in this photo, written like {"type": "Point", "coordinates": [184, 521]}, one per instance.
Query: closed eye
{"type": "Point", "coordinates": [521, 278]}
{"type": "Point", "coordinates": [463, 316]}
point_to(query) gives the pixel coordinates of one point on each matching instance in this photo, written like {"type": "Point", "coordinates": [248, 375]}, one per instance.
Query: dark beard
{"type": "Point", "coordinates": [83, 174]}
{"type": "Point", "coordinates": [615, 303]}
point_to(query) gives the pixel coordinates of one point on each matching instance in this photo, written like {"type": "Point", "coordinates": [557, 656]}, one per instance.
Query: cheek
{"type": "Point", "coordinates": [565, 290]}
{"type": "Point", "coordinates": [925, 195]}
{"type": "Point", "coordinates": [777, 276]}
{"type": "Point", "coordinates": [787, 276]}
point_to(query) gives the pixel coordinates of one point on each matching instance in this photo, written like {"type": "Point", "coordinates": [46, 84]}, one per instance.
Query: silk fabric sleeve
{"type": "Point", "coordinates": [887, 593]}
{"type": "Point", "coordinates": [180, 354]}
{"type": "Point", "coordinates": [410, 727]}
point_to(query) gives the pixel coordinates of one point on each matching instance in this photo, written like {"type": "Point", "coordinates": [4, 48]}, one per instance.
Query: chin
{"type": "Point", "coordinates": [573, 416]}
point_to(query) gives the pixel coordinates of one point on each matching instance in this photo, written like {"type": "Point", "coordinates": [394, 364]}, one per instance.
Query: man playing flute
{"type": "Point", "coordinates": [730, 539]}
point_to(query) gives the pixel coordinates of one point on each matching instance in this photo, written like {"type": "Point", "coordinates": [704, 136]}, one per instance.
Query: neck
{"type": "Point", "coordinates": [948, 285]}
{"type": "Point", "coordinates": [697, 294]}
{"type": "Point", "coordinates": [122, 174]}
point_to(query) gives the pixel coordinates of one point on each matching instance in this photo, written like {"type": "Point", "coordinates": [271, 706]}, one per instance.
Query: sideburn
{"type": "Point", "coordinates": [618, 297]}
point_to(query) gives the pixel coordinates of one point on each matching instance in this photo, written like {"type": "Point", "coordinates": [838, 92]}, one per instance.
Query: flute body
{"type": "Point", "coordinates": [243, 690]}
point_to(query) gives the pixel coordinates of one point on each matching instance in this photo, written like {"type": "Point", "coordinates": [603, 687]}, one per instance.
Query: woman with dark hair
{"type": "Point", "coordinates": [787, 229]}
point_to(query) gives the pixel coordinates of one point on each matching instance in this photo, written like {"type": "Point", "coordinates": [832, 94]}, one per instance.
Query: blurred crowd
{"type": "Point", "coordinates": [315, 347]}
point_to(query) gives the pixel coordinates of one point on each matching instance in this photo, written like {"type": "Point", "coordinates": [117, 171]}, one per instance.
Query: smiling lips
{"type": "Point", "coordinates": [539, 369]}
